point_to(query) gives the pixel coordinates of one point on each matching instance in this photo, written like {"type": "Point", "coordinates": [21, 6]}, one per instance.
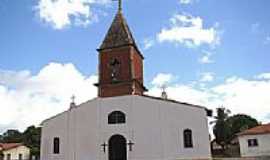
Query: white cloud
{"type": "Point", "coordinates": [183, 93]}
{"type": "Point", "coordinates": [185, 2]}
{"type": "Point", "coordinates": [206, 58]}
{"type": "Point", "coordinates": [263, 76]}
{"type": "Point", "coordinates": [245, 96]}
{"type": "Point", "coordinates": [267, 40]}
{"type": "Point", "coordinates": [189, 30]}
{"type": "Point", "coordinates": [63, 13]}
{"type": "Point", "coordinates": [267, 116]}
{"type": "Point", "coordinates": [255, 28]}
{"type": "Point", "coordinates": [28, 99]}
{"type": "Point", "coordinates": [207, 77]}
{"type": "Point", "coordinates": [162, 79]}
{"type": "Point", "coordinates": [13, 79]}
{"type": "Point", "coordinates": [148, 43]}
{"type": "Point", "coordinates": [237, 94]}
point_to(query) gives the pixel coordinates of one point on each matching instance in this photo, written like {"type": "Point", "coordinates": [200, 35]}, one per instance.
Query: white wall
{"type": "Point", "coordinates": [56, 127]}
{"type": "Point", "coordinates": [14, 153]}
{"type": "Point", "coordinates": [78, 133]}
{"type": "Point", "coordinates": [263, 148]}
{"type": "Point", "coordinates": [156, 127]}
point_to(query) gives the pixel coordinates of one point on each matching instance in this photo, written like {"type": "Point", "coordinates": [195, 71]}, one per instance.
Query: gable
{"type": "Point", "coordinates": [95, 102]}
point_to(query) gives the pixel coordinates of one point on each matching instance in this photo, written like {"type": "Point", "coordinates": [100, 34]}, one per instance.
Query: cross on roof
{"type": "Point", "coordinates": [130, 144]}
{"type": "Point", "coordinates": [119, 4]}
{"type": "Point", "coordinates": [104, 145]}
{"type": "Point", "coordinates": [73, 98]}
{"type": "Point", "coordinates": [164, 87]}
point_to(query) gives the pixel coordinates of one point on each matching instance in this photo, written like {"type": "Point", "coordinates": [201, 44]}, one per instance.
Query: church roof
{"type": "Point", "coordinates": [119, 34]}
{"type": "Point", "coordinates": [262, 129]}
{"type": "Point", "coordinates": [173, 101]}
{"type": "Point", "coordinates": [208, 111]}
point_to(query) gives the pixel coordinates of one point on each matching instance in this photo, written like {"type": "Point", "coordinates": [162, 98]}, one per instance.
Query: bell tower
{"type": "Point", "coordinates": [120, 62]}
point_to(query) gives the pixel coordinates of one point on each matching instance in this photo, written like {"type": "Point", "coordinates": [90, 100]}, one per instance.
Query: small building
{"type": "Point", "coordinates": [255, 142]}
{"type": "Point", "coordinates": [14, 151]}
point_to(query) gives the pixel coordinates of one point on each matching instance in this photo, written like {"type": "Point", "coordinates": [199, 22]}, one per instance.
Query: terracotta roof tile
{"type": "Point", "coordinates": [262, 129]}
{"type": "Point", "coordinates": [119, 34]}
{"type": "Point", "coordinates": [7, 146]}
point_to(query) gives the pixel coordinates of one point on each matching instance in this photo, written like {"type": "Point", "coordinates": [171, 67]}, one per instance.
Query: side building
{"type": "Point", "coordinates": [14, 151]}
{"type": "Point", "coordinates": [255, 142]}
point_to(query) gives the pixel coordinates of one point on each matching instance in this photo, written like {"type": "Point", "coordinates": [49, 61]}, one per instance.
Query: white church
{"type": "Point", "coordinates": [123, 123]}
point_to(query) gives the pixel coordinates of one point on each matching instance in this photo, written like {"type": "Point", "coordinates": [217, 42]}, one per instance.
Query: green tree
{"type": "Point", "coordinates": [12, 136]}
{"type": "Point", "coordinates": [31, 138]}
{"type": "Point", "coordinates": [226, 127]}
{"type": "Point", "coordinates": [240, 122]}
{"type": "Point", "coordinates": [1, 138]}
{"type": "Point", "coordinates": [221, 128]}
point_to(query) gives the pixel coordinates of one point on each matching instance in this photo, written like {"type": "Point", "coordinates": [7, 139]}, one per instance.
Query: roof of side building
{"type": "Point", "coordinates": [262, 129]}
{"type": "Point", "coordinates": [8, 146]}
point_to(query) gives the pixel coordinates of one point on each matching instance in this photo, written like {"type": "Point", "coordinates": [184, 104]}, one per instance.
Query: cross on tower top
{"type": "Point", "coordinates": [119, 4]}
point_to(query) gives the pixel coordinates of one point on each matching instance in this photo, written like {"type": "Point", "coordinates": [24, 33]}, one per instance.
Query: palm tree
{"type": "Point", "coordinates": [221, 128]}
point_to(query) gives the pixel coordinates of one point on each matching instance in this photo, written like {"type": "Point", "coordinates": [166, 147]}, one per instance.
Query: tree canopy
{"type": "Point", "coordinates": [31, 138]}
{"type": "Point", "coordinates": [12, 136]}
{"type": "Point", "coordinates": [240, 122]}
{"type": "Point", "coordinates": [226, 127]}
{"type": "Point", "coordinates": [221, 129]}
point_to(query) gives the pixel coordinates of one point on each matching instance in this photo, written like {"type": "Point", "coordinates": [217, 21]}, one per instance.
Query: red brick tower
{"type": "Point", "coordinates": [120, 62]}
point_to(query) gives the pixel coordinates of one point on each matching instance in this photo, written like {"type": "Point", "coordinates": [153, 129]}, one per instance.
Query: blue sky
{"type": "Point", "coordinates": [207, 52]}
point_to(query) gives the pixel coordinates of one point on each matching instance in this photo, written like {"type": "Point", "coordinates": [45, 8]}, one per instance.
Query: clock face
{"type": "Point", "coordinates": [114, 66]}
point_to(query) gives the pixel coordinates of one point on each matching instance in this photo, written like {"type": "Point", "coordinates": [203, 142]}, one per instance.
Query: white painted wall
{"type": "Point", "coordinates": [155, 126]}
{"type": "Point", "coordinates": [14, 153]}
{"type": "Point", "coordinates": [263, 148]}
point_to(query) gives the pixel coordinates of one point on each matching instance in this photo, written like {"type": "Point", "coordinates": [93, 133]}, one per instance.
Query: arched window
{"type": "Point", "coordinates": [188, 143]}
{"type": "Point", "coordinates": [116, 117]}
{"type": "Point", "coordinates": [56, 145]}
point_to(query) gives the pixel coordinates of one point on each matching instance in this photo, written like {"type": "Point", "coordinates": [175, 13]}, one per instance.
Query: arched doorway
{"type": "Point", "coordinates": [117, 148]}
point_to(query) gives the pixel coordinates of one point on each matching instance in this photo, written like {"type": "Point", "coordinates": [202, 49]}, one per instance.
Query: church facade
{"type": "Point", "coordinates": [123, 123]}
